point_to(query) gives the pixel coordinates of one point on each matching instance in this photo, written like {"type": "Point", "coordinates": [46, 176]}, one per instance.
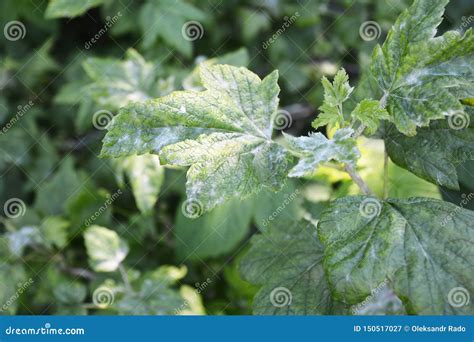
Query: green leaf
{"type": "Point", "coordinates": [316, 149]}
{"type": "Point", "coordinates": [239, 165]}
{"type": "Point", "coordinates": [282, 206]}
{"type": "Point", "coordinates": [70, 292]}
{"type": "Point", "coordinates": [90, 205]}
{"type": "Point", "coordinates": [287, 262]}
{"type": "Point", "coordinates": [68, 8]}
{"type": "Point", "coordinates": [22, 238]}
{"type": "Point", "coordinates": [435, 152]}
{"type": "Point", "coordinates": [53, 194]}
{"type": "Point", "coordinates": [223, 133]}
{"type": "Point", "coordinates": [156, 295]}
{"type": "Point", "coordinates": [193, 304]}
{"type": "Point", "coordinates": [54, 231]}
{"type": "Point", "coordinates": [146, 176]}
{"type": "Point", "coordinates": [14, 283]}
{"type": "Point", "coordinates": [213, 234]}
{"type": "Point", "coordinates": [117, 83]}
{"type": "Point", "coordinates": [36, 66]}
{"type": "Point", "coordinates": [335, 95]}
{"type": "Point", "coordinates": [381, 302]}
{"type": "Point", "coordinates": [369, 113]}
{"type": "Point", "coordinates": [252, 23]}
{"type": "Point", "coordinates": [105, 249]}
{"type": "Point", "coordinates": [239, 57]}
{"type": "Point", "coordinates": [14, 147]}
{"type": "Point", "coordinates": [165, 19]}
{"type": "Point", "coordinates": [422, 246]}
{"type": "Point", "coordinates": [422, 78]}
{"type": "Point", "coordinates": [339, 91]}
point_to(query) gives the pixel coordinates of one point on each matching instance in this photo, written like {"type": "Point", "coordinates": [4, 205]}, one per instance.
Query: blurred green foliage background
{"type": "Point", "coordinates": [97, 236]}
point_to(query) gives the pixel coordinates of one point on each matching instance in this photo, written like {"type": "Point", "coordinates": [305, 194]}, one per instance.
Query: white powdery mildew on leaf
{"type": "Point", "coordinates": [222, 133]}
{"type": "Point", "coordinates": [421, 77]}
{"type": "Point", "coordinates": [317, 149]}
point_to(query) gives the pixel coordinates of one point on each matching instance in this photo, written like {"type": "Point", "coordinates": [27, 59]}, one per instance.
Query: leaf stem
{"type": "Point", "coordinates": [385, 174]}
{"type": "Point", "coordinates": [358, 180]}
{"type": "Point", "coordinates": [126, 280]}
{"type": "Point", "coordinates": [358, 132]}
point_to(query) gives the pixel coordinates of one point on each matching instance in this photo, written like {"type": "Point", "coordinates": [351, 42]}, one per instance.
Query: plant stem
{"type": "Point", "coordinates": [385, 174]}
{"type": "Point", "coordinates": [358, 180]}
{"type": "Point", "coordinates": [359, 131]}
{"type": "Point", "coordinates": [126, 281]}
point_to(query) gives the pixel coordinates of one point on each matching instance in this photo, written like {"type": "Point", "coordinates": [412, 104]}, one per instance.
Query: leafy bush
{"type": "Point", "coordinates": [138, 180]}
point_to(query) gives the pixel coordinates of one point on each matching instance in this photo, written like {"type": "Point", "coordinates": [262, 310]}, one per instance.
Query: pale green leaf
{"type": "Point", "coordinates": [54, 231]}
{"type": "Point", "coordinates": [335, 94]}
{"type": "Point", "coordinates": [328, 116]}
{"type": "Point", "coordinates": [22, 238]}
{"type": "Point", "coordinates": [155, 296]}
{"type": "Point", "coordinates": [370, 113]}
{"type": "Point", "coordinates": [236, 164]}
{"type": "Point", "coordinates": [105, 248]}
{"type": "Point", "coordinates": [69, 8]}
{"type": "Point", "coordinates": [316, 149]}
{"type": "Point", "coordinates": [117, 83]}
{"type": "Point", "coordinates": [422, 78]}
{"type": "Point", "coordinates": [193, 302]}
{"type": "Point", "coordinates": [223, 133]}
{"type": "Point", "coordinates": [239, 57]}
{"type": "Point", "coordinates": [422, 246]}
{"type": "Point", "coordinates": [287, 262]}
{"type": "Point", "coordinates": [146, 176]}
{"type": "Point", "coordinates": [339, 91]}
